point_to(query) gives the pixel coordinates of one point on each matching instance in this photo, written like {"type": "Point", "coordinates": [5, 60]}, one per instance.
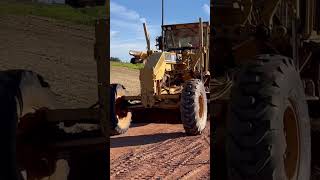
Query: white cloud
{"type": "Point", "coordinates": [122, 11]}
{"type": "Point", "coordinates": [124, 24]}
{"type": "Point", "coordinates": [113, 33]}
{"type": "Point", "coordinates": [143, 20]}
{"type": "Point", "coordinates": [121, 49]}
{"type": "Point", "coordinates": [127, 31]}
{"type": "Point", "coordinates": [206, 9]}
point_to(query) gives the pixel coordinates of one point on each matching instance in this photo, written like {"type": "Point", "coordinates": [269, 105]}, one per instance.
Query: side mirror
{"type": "Point", "coordinates": [159, 43]}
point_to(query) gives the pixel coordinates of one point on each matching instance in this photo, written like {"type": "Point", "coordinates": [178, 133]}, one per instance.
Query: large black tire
{"type": "Point", "coordinates": [120, 116]}
{"type": "Point", "coordinates": [193, 107]}
{"type": "Point", "coordinates": [269, 128]}
{"type": "Point", "coordinates": [11, 97]}
{"type": "Point", "coordinates": [9, 167]}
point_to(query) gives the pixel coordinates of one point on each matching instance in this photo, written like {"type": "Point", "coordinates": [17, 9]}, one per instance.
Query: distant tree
{"type": "Point", "coordinates": [115, 59]}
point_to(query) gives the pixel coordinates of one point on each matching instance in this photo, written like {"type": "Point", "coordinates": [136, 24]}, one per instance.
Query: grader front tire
{"type": "Point", "coordinates": [194, 107]}
{"type": "Point", "coordinates": [120, 116]}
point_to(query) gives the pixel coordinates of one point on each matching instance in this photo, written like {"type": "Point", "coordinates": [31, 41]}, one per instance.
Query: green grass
{"type": "Point", "coordinates": [86, 16]}
{"type": "Point", "coordinates": [127, 65]}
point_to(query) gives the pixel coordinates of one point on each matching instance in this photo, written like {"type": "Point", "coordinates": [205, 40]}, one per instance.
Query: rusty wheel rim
{"type": "Point", "coordinates": [121, 109]}
{"type": "Point", "coordinates": [292, 152]}
{"type": "Point", "coordinates": [122, 113]}
{"type": "Point", "coordinates": [201, 106]}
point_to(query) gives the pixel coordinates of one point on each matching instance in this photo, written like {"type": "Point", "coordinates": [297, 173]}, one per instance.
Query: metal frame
{"type": "Point", "coordinates": [103, 64]}
{"type": "Point", "coordinates": [50, 143]}
{"type": "Point", "coordinates": [243, 39]}
{"type": "Point", "coordinates": [246, 44]}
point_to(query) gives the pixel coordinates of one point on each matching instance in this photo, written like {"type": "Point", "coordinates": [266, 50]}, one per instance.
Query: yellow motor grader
{"type": "Point", "coordinates": [174, 78]}
{"type": "Point", "coordinates": [266, 124]}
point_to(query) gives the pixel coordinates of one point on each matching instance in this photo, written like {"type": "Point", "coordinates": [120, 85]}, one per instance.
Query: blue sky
{"type": "Point", "coordinates": [127, 16]}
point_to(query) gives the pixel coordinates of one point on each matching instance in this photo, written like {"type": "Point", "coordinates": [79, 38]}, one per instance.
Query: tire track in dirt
{"type": "Point", "coordinates": [62, 53]}
{"type": "Point", "coordinates": [178, 158]}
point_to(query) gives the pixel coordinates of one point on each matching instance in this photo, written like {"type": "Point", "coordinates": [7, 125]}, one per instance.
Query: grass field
{"type": "Point", "coordinates": [127, 65]}
{"type": "Point", "coordinates": [65, 13]}
{"type": "Point", "coordinates": [86, 16]}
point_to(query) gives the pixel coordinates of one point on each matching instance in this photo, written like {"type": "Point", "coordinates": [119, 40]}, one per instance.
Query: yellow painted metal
{"type": "Point", "coordinates": [138, 54]}
{"type": "Point", "coordinates": [152, 72]}
{"type": "Point", "coordinates": [147, 87]}
{"type": "Point", "coordinates": [183, 63]}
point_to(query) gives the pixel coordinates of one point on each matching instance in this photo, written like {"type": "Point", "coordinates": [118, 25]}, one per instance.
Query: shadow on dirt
{"type": "Point", "coordinates": [156, 115]}
{"type": "Point", "coordinates": [132, 125]}
{"type": "Point", "coordinates": [143, 139]}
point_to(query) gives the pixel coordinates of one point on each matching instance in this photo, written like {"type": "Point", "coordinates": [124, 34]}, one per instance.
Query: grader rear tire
{"type": "Point", "coordinates": [268, 133]}
{"type": "Point", "coordinates": [193, 107]}
{"type": "Point", "coordinates": [15, 88]}
{"type": "Point", "coordinates": [120, 116]}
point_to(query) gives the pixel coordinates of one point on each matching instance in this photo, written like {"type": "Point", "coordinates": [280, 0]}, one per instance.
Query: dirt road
{"type": "Point", "coordinates": [63, 54]}
{"type": "Point", "coordinates": [128, 77]}
{"type": "Point", "coordinates": [159, 151]}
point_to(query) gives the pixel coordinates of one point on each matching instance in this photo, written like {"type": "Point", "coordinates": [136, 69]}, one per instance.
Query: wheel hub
{"type": "Point", "coordinates": [122, 113]}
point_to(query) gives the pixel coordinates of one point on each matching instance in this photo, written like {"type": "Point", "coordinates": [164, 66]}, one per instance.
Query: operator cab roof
{"type": "Point", "coordinates": [186, 25]}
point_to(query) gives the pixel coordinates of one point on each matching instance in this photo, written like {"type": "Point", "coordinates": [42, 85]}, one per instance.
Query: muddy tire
{"type": "Point", "coordinates": [14, 128]}
{"type": "Point", "coordinates": [269, 128]}
{"type": "Point", "coordinates": [120, 116]}
{"type": "Point", "coordinates": [193, 107]}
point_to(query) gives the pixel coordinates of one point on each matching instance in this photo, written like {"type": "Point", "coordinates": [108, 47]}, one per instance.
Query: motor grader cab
{"type": "Point", "coordinates": [270, 51]}
{"type": "Point", "coordinates": [177, 37]}
{"type": "Point", "coordinates": [174, 78]}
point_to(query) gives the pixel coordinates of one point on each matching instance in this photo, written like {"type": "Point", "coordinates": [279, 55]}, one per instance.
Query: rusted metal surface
{"type": "Point", "coordinates": [59, 115]}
